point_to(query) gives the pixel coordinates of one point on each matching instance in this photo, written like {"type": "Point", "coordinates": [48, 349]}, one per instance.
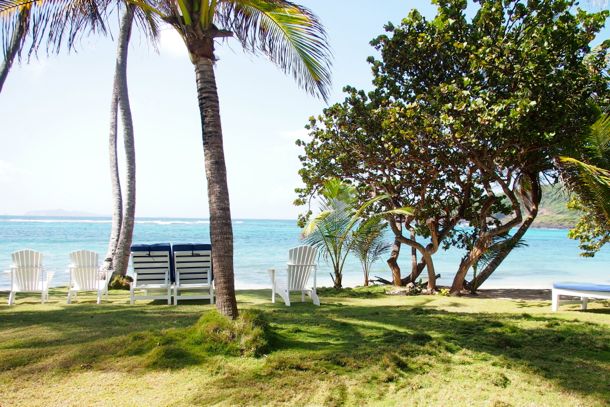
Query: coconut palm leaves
{"type": "Point", "coordinates": [370, 243]}
{"type": "Point", "coordinates": [332, 230]}
{"type": "Point", "coordinates": [288, 34]}
{"type": "Point", "coordinates": [589, 180]}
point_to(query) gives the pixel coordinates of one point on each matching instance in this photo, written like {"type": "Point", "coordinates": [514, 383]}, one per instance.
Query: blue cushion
{"type": "Point", "coordinates": [190, 247]}
{"type": "Point", "coordinates": [582, 287]}
{"type": "Point", "coordinates": [158, 247]}
{"type": "Point", "coordinates": [155, 247]}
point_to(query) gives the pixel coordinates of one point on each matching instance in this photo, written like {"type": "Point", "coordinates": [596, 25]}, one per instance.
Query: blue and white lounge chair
{"type": "Point", "coordinates": [582, 290]}
{"type": "Point", "coordinates": [193, 270]}
{"type": "Point", "coordinates": [152, 271]}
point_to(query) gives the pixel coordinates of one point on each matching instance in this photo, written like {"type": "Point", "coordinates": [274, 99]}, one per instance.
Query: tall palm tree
{"type": "Point", "coordinates": [291, 37]}
{"type": "Point", "coordinates": [123, 222]}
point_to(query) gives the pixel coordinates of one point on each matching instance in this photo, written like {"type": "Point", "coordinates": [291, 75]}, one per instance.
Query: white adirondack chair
{"type": "Point", "coordinates": [28, 275]}
{"type": "Point", "coordinates": [151, 272]}
{"type": "Point", "coordinates": [193, 271]}
{"type": "Point", "coordinates": [85, 275]}
{"type": "Point", "coordinates": [301, 264]}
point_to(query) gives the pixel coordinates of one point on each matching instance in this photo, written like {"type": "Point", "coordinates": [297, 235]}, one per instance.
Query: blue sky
{"type": "Point", "coordinates": [54, 120]}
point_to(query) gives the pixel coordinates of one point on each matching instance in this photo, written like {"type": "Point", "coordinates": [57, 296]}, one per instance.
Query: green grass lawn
{"type": "Point", "coordinates": [359, 348]}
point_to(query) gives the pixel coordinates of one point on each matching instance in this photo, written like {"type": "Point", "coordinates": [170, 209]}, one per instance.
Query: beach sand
{"type": "Point", "coordinates": [514, 294]}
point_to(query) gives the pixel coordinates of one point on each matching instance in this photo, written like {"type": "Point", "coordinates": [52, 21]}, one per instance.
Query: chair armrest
{"type": "Point", "coordinates": [50, 275]}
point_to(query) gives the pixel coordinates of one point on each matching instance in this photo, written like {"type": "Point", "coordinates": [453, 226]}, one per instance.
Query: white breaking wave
{"type": "Point", "coordinates": [152, 222]}
{"type": "Point", "coordinates": [57, 221]}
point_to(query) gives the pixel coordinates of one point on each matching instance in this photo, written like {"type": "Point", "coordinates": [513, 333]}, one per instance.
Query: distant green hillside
{"type": "Point", "coordinates": [553, 212]}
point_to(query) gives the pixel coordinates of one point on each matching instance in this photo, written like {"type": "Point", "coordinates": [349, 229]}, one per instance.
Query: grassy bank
{"type": "Point", "coordinates": [362, 347]}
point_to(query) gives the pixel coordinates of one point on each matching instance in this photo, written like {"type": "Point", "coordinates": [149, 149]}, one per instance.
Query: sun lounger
{"type": "Point", "coordinates": [582, 290]}
{"type": "Point", "coordinates": [28, 275]}
{"type": "Point", "coordinates": [193, 271]}
{"type": "Point", "coordinates": [301, 264]}
{"type": "Point", "coordinates": [85, 275]}
{"type": "Point", "coordinates": [152, 272]}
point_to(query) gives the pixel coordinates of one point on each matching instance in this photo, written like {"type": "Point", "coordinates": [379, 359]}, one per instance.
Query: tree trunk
{"type": "Point", "coordinates": [500, 256]}
{"type": "Point", "coordinates": [115, 181]}
{"type": "Point", "coordinates": [15, 45]}
{"type": "Point", "coordinates": [393, 263]}
{"type": "Point", "coordinates": [414, 272]}
{"type": "Point", "coordinates": [467, 262]}
{"type": "Point", "coordinates": [411, 278]}
{"type": "Point", "coordinates": [221, 231]}
{"type": "Point", "coordinates": [427, 257]}
{"type": "Point", "coordinates": [126, 234]}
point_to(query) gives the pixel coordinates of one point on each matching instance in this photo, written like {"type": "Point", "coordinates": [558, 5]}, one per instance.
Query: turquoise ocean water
{"type": "Point", "coordinates": [263, 244]}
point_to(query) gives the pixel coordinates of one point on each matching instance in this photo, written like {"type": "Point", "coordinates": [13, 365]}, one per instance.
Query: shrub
{"type": "Point", "coordinates": [119, 282]}
{"type": "Point", "coordinates": [248, 335]}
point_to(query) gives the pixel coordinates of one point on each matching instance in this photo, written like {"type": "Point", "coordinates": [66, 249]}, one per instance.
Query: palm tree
{"type": "Point", "coordinates": [590, 177]}
{"type": "Point", "coordinates": [370, 243]}
{"type": "Point", "coordinates": [55, 22]}
{"type": "Point", "coordinates": [331, 229]}
{"type": "Point", "coordinates": [123, 222]}
{"type": "Point", "coordinates": [291, 37]}
{"type": "Point", "coordinates": [17, 39]}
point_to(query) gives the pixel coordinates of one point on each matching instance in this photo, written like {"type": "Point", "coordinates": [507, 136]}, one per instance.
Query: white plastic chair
{"type": "Point", "coordinates": [301, 264]}
{"type": "Point", "coordinates": [85, 275]}
{"type": "Point", "coordinates": [151, 272]}
{"type": "Point", "coordinates": [28, 275]}
{"type": "Point", "coordinates": [193, 271]}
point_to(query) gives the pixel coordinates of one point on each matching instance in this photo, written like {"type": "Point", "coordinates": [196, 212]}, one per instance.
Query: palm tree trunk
{"type": "Point", "coordinates": [221, 230]}
{"type": "Point", "coordinates": [15, 44]}
{"type": "Point", "coordinates": [126, 234]}
{"type": "Point", "coordinates": [117, 198]}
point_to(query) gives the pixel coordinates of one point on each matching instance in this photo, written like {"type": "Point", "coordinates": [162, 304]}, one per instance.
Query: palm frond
{"type": "Point", "coordinates": [591, 184]}
{"type": "Point", "coordinates": [55, 22]}
{"type": "Point", "coordinates": [599, 141]}
{"type": "Point", "coordinates": [288, 34]}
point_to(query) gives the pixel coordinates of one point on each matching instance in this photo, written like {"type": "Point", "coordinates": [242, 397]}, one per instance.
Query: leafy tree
{"type": "Point", "coordinates": [509, 89]}
{"type": "Point", "coordinates": [370, 243]}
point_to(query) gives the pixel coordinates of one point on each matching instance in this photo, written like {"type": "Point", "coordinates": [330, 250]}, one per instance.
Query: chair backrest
{"type": "Point", "coordinates": [27, 270]}
{"type": "Point", "coordinates": [193, 264]}
{"type": "Point", "coordinates": [84, 270]}
{"type": "Point", "coordinates": [151, 263]}
{"type": "Point", "coordinates": [301, 263]}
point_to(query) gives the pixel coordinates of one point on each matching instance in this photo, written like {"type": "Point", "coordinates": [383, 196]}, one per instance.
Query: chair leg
{"type": "Point", "coordinates": [211, 295]}
{"type": "Point", "coordinates": [273, 293]}
{"type": "Point", "coordinates": [554, 301]}
{"type": "Point", "coordinates": [11, 298]}
{"type": "Point", "coordinates": [175, 295]}
{"type": "Point", "coordinates": [314, 297]}
{"type": "Point", "coordinates": [99, 297]}
{"type": "Point", "coordinates": [169, 297]}
{"type": "Point", "coordinates": [69, 300]}
{"type": "Point", "coordinates": [42, 297]}
{"type": "Point", "coordinates": [583, 304]}
{"type": "Point", "coordinates": [132, 297]}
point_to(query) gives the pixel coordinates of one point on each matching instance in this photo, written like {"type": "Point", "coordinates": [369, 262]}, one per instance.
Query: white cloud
{"type": "Point", "coordinates": [172, 45]}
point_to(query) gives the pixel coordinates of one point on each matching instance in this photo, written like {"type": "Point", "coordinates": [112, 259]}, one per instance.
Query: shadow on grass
{"type": "Point", "coordinates": [392, 344]}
